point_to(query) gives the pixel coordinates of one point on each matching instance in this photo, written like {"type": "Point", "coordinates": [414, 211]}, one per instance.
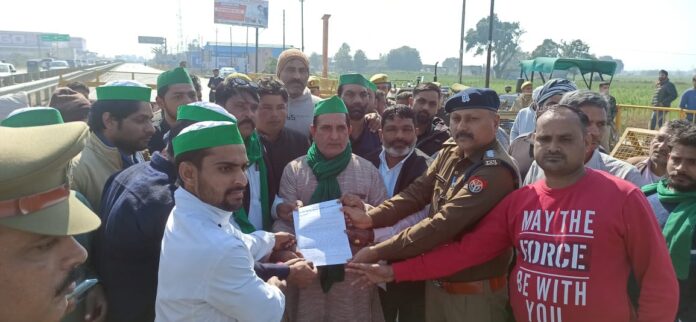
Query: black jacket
{"type": "Point", "coordinates": [416, 165]}
{"type": "Point", "coordinates": [431, 141]}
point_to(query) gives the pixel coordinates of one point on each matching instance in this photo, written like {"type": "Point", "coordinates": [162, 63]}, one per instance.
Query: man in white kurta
{"type": "Point", "coordinates": [206, 270]}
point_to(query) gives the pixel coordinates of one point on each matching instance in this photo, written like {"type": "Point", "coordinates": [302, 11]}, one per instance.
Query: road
{"type": "Point", "coordinates": [144, 74]}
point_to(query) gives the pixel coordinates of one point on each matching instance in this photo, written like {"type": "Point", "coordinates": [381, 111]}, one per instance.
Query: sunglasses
{"type": "Point", "coordinates": [243, 83]}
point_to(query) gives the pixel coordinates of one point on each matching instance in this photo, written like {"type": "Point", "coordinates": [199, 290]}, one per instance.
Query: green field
{"type": "Point", "coordinates": [626, 89]}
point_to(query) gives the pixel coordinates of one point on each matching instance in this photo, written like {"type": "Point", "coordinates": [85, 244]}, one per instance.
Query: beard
{"type": "Point", "coordinates": [423, 118]}
{"type": "Point", "coordinates": [132, 145]}
{"type": "Point", "coordinates": [688, 184]}
{"type": "Point", "coordinates": [357, 112]}
{"type": "Point", "coordinates": [399, 152]}
{"type": "Point", "coordinates": [210, 195]}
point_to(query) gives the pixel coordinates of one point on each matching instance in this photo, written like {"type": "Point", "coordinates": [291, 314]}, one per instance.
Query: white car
{"type": "Point", "coordinates": [6, 69]}
{"type": "Point", "coordinates": [225, 71]}
{"type": "Point", "coordinates": [58, 64]}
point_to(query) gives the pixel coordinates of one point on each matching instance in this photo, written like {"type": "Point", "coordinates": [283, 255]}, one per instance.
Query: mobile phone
{"type": "Point", "coordinates": [81, 289]}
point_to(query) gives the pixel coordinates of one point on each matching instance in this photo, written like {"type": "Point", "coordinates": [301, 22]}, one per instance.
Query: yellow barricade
{"type": "Point", "coordinates": [637, 116]}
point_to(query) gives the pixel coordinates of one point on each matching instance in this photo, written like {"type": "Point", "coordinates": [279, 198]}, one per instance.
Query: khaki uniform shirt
{"type": "Point", "coordinates": [456, 205]}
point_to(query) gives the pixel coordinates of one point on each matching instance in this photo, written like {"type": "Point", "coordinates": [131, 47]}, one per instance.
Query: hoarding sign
{"type": "Point", "coordinates": [150, 40]}
{"type": "Point", "coordinates": [54, 37]}
{"type": "Point", "coordinates": [250, 13]}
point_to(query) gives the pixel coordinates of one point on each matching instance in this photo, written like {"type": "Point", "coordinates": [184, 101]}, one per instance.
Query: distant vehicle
{"type": "Point", "coordinates": [225, 71]}
{"type": "Point", "coordinates": [58, 64]}
{"type": "Point", "coordinates": [46, 63]}
{"type": "Point", "coordinates": [7, 69]}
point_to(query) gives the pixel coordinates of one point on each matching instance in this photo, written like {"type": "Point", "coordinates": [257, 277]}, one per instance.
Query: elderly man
{"type": "Point", "coordinates": [293, 70]}
{"type": "Point", "coordinates": [355, 90]}
{"type": "Point", "coordinates": [38, 217]}
{"type": "Point", "coordinates": [174, 88]}
{"type": "Point", "coordinates": [653, 167]}
{"type": "Point", "coordinates": [594, 106]}
{"type": "Point", "coordinates": [121, 126]}
{"type": "Point", "coordinates": [467, 179]}
{"type": "Point", "coordinates": [399, 164]}
{"type": "Point", "coordinates": [674, 203]}
{"type": "Point", "coordinates": [579, 234]}
{"type": "Point", "coordinates": [206, 265]}
{"type": "Point", "coordinates": [329, 170]}
{"type": "Point", "coordinates": [548, 94]}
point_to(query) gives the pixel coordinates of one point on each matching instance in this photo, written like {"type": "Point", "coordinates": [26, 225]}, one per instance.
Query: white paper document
{"type": "Point", "coordinates": [320, 231]}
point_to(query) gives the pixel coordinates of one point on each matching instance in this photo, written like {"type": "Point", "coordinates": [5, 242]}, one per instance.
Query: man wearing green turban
{"type": "Point", "coordinates": [328, 171]}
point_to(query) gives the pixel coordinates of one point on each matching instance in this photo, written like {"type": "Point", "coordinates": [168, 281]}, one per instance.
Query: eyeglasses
{"type": "Point", "coordinates": [243, 83]}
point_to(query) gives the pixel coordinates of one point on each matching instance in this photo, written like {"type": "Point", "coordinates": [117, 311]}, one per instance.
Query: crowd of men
{"type": "Point", "coordinates": [186, 213]}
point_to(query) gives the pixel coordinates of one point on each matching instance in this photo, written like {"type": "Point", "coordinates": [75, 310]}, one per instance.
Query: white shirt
{"type": "Point", "coordinates": [206, 270]}
{"type": "Point", "coordinates": [525, 122]}
{"type": "Point", "coordinates": [598, 161]}
{"type": "Point", "coordinates": [255, 214]}
{"type": "Point", "coordinates": [390, 176]}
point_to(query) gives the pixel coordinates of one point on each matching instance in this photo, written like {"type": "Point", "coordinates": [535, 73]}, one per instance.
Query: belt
{"type": "Point", "coordinates": [476, 287]}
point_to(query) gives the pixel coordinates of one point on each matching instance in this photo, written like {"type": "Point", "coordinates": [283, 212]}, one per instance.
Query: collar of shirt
{"type": "Point", "coordinates": [390, 176]}
{"type": "Point", "coordinates": [190, 205]}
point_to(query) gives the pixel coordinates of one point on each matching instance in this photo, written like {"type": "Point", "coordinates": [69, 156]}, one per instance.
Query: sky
{"type": "Point", "coordinates": [645, 35]}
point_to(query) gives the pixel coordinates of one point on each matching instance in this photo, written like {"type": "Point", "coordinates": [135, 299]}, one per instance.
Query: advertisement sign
{"type": "Point", "coordinates": [151, 40]}
{"type": "Point", "coordinates": [250, 13]}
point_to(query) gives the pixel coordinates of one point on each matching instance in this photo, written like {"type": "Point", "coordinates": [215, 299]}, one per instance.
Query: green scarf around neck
{"type": "Point", "coordinates": [326, 172]}
{"type": "Point", "coordinates": [679, 228]}
{"type": "Point", "coordinates": [254, 151]}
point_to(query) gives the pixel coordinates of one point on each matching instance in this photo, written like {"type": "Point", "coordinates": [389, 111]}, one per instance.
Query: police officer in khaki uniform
{"type": "Point", "coordinates": [38, 216]}
{"type": "Point", "coordinates": [467, 179]}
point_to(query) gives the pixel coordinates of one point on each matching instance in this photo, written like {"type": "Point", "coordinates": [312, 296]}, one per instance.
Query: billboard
{"type": "Point", "coordinates": [250, 13]}
{"type": "Point", "coordinates": [151, 40]}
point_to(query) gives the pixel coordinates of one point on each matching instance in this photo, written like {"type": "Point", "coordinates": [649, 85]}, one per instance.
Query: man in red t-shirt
{"type": "Point", "coordinates": [578, 234]}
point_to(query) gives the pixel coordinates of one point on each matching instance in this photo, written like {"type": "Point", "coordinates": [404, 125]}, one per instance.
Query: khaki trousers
{"type": "Point", "coordinates": [441, 306]}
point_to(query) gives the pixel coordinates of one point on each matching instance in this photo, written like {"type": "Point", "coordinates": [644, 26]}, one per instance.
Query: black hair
{"type": "Point", "coordinates": [582, 117]}
{"type": "Point", "coordinates": [399, 110]}
{"type": "Point", "coordinates": [174, 131]}
{"type": "Point", "coordinates": [161, 91]}
{"type": "Point", "coordinates": [676, 127]}
{"type": "Point", "coordinates": [580, 98]}
{"type": "Point", "coordinates": [422, 87]}
{"type": "Point", "coordinates": [271, 86]}
{"type": "Point", "coordinates": [119, 109]}
{"type": "Point", "coordinates": [227, 89]}
{"type": "Point", "coordinates": [404, 95]}
{"type": "Point", "coordinates": [686, 137]}
{"type": "Point", "coordinates": [662, 71]}
{"type": "Point", "coordinates": [78, 87]}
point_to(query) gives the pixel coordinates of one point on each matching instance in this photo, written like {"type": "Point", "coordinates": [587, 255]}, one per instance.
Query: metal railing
{"type": "Point", "coordinates": [40, 91]}
{"type": "Point", "coordinates": [640, 116]}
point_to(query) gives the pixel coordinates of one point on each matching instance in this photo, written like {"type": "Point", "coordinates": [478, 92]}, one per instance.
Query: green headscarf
{"type": "Point", "coordinates": [326, 172]}
{"type": "Point", "coordinates": [680, 224]}
{"type": "Point", "coordinates": [254, 151]}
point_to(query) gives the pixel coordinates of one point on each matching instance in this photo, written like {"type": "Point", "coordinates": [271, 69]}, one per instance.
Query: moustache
{"type": "Point", "coordinates": [234, 190]}
{"type": "Point", "coordinates": [246, 121]}
{"type": "Point", "coordinates": [462, 135]}
{"type": "Point", "coordinates": [294, 82]}
{"type": "Point", "coordinates": [397, 141]}
{"type": "Point", "coordinates": [553, 155]}
{"type": "Point", "coordinates": [73, 276]}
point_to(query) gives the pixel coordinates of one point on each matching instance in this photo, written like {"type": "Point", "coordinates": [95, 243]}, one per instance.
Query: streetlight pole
{"type": "Point", "coordinates": [302, 21]}
{"type": "Point", "coordinates": [490, 46]}
{"type": "Point", "coordinates": [461, 43]}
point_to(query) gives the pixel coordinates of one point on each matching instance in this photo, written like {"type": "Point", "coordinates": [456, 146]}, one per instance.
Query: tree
{"type": "Point", "coordinates": [315, 62]}
{"type": "Point", "coordinates": [619, 63]}
{"type": "Point", "coordinates": [271, 65]}
{"type": "Point", "coordinates": [404, 58]}
{"type": "Point", "coordinates": [506, 41]}
{"type": "Point", "coordinates": [576, 49]}
{"type": "Point", "coordinates": [451, 64]}
{"type": "Point", "coordinates": [343, 60]}
{"type": "Point", "coordinates": [548, 48]}
{"type": "Point", "coordinates": [359, 61]}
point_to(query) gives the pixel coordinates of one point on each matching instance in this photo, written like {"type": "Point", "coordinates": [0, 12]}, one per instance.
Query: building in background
{"type": "Point", "coordinates": [239, 56]}
{"type": "Point", "coordinates": [18, 46]}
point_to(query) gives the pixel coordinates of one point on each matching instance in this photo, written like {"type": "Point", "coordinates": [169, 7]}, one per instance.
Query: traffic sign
{"type": "Point", "coordinates": [151, 40]}
{"type": "Point", "coordinates": [55, 37]}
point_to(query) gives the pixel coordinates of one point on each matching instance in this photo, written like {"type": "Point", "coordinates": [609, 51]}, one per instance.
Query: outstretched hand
{"type": "Point", "coordinates": [370, 274]}
{"type": "Point", "coordinates": [354, 211]}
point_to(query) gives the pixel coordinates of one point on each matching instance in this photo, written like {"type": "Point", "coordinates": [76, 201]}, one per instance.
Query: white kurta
{"type": "Point", "coordinates": [206, 270]}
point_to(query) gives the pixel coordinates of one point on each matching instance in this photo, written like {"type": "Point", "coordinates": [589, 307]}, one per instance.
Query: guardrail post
{"type": "Point", "coordinates": [617, 119]}
{"type": "Point", "coordinates": [133, 76]}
